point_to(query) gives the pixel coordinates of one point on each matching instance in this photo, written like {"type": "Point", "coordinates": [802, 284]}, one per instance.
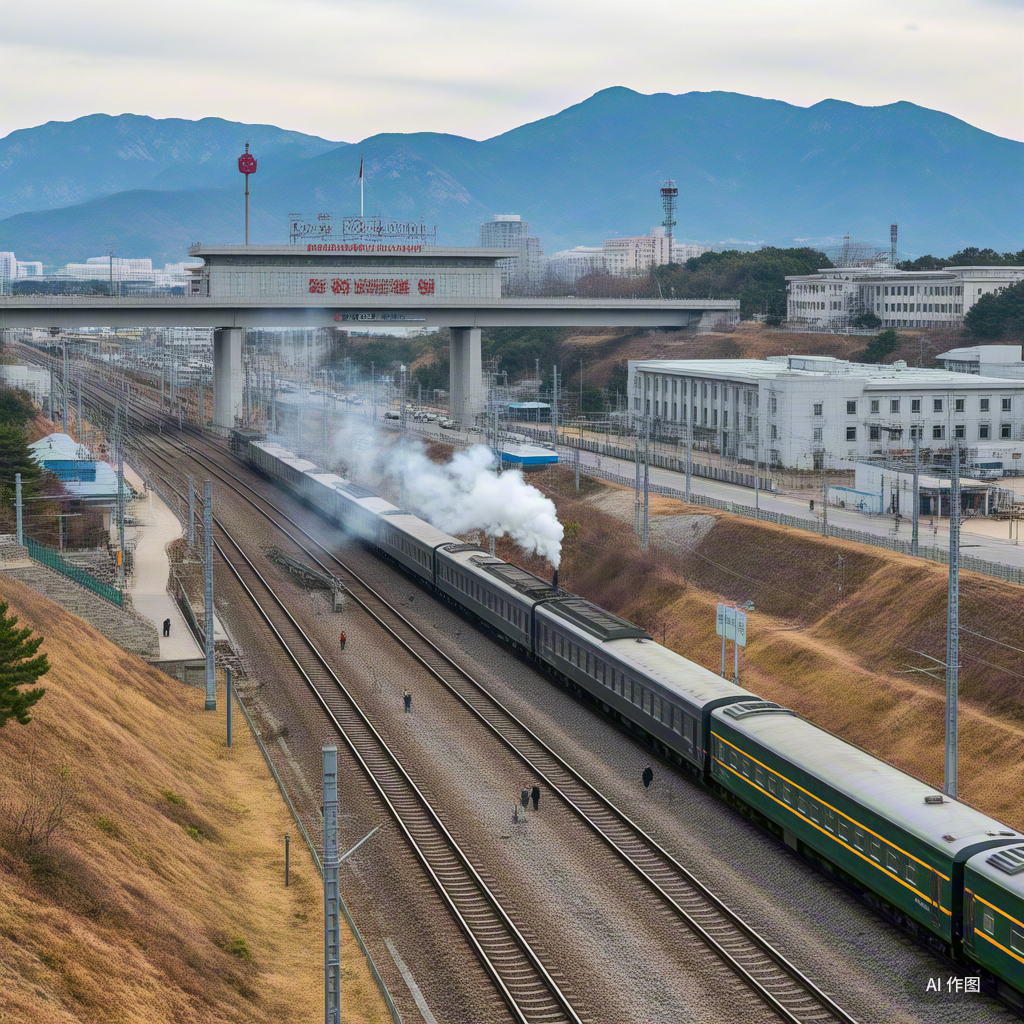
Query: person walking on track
{"type": "Point", "coordinates": [341, 640]}
{"type": "Point", "coordinates": [535, 796]}
{"type": "Point", "coordinates": [408, 701]}
{"type": "Point", "coordinates": [648, 777]}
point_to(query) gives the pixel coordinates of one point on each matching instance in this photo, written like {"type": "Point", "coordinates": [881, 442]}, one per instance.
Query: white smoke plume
{"type": "Point", "coordinates": [464, 495]}
{"type": "Point", "coordinates": [467, 494]}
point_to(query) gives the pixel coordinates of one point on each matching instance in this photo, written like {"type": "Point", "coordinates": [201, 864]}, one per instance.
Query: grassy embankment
{"type": "Point", "coordinates": [160, 894]}
{"type": "Point", "coordinates": [833, 640]}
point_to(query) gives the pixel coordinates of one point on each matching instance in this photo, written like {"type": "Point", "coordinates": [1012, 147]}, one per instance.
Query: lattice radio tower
{"type": "Point", "coordinates": [669, 197]}
{"type": "Point", "coordinates": [893, 228]}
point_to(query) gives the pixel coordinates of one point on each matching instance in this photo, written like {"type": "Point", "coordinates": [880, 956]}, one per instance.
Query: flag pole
{"type": "Point", "coordinates": [361, 186]}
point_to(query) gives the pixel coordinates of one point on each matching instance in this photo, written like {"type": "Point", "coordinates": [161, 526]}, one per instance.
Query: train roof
{"type": "Point", "coordinates": [592, 619]}
{"type": "Point", "coordinates": [289, 458]}
{"type": "Point", "coordinates": [944, 824]}
{"type": "Point", "coordinates": [511, 577]}
{"type": "Point", "coordinates": [412, 525]}
{"type": "Point", "coordinates": [331, 480]}
{"type": "Point", "coordinates": [1004, 867]}
{"type": "Point", "coordinates": [700, 685]}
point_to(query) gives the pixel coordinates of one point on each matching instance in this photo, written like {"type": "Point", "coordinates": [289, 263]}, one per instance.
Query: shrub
{"type": "Point", "coordinates": [240, 948]}
{"type": "Point", "coordinates": [192, 832]}
{"type": "Point", "coordinates": [880, 346]}
{"type": "Point", "coordinates": [172, 798]}
{"type": "Point", "coordinates": [108, 826]}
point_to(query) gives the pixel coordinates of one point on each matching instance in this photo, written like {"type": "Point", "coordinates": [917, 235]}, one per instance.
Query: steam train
{"type": "Point", "coordinates": [947, 872]}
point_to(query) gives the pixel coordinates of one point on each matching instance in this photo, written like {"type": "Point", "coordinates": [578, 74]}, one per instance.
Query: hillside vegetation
{"type": "Point", "coordinates": [141, 861]}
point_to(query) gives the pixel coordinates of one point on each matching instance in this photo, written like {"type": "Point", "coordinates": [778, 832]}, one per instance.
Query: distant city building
{"type": "Point", "coordinates": [570, 265]}
{"type": "Point", "coordinates": [510, 231]}
{"type": "Point", "coordinates": [833, 299]}
{"type": "Point", "coordinates": [682, 253]}
{"type": "Point", "coordinates": [985, 360]}
{"type": "Point", "coordinates": [8, 266]}
{"type": "Point", "coordinates": [28, 268]}
{"type": "Point", "coordinates": [807, 412]}
{"type": "Point", "coordinates": [33, 379]}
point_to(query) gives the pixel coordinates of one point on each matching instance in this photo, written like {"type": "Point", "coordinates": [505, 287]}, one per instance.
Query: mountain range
{"type": "Point", "coordinates": [750, 171]}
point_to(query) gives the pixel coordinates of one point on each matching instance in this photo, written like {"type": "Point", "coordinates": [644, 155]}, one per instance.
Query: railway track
{"type": "Point", "coordinates": [749, 955]}
{"type": "Point", "coordinates": [518, 973]}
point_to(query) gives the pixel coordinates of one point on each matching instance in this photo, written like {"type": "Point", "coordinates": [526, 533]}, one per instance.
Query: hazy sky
{"type": "Point", "coordinates": [345, 70]}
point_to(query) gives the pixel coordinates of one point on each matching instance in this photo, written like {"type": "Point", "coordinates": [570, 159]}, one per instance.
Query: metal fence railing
{"type": "Point", "coordinates": [1010, 573]}
{"type": "Point", "coordinates": [50, 558]}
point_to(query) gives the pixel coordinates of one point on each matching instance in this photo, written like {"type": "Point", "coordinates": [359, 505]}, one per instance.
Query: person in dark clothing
{"type": "Point", "coordinates": [342, 640]}
{"type": "Point", "coordinates": [408, 701]}
{"type": "Point", "coordinates": [167, 627]}
{"type": "Point", "coordinates": [535, 796]}
{"type": "Point", "coordinates": [648, 777]}
{"type": "Point", "coordinates": [524, 798]}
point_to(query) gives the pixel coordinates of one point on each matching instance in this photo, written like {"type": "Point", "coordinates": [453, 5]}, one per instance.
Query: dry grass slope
{"type": "Point", "coordinates": [162, 898]}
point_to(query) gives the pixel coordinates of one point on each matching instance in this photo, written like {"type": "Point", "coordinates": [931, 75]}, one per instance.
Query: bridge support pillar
{"type": "Point", "coordinates": [466, 387]}
{"type": "Point", "coordinates": [227, 375]}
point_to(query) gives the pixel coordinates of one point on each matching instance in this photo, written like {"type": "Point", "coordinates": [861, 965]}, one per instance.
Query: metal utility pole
{"type": "Point", "coordinates": [576, 464]}
{"type": "Point", "coordinates": [248, 390]}
{"type": "Point", "coordinates": [273, 398]}
{"type": "Point", "coordinates": [689, 453]}
{"type": "Point", "coordinates": [917, 499]}
{"type": "Point", "coordinates": [211, 687]}
{"type": "Point", "coordinates": [332, 908]}
{"type": "Point", "coordinates": [953, 626]}
{"type": "Point", "coordinates": [191, 512]}
{"type": "Point", "coordinates": [757, 471]}
{"type": "Point", "coordinates": [554, 404]}
{"type": "Point", "coordinates": [64, 386]}
{"type": "Point", "coordinates": [78, 422]}
{"type": "Point", "coordinates": [824, 502]}
{"type": "Point", "coordinates": [227, 680]}
{"type": "Point", "coordinates": [18, 507]}
{"type": "Point", "coordinates": [636, 487]}
{"type": "Point", "coordinates": [647, 481]}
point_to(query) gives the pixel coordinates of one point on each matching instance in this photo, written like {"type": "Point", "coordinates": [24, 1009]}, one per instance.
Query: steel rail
{"type": "Point", "coordinates": [752, 957]}
{"type": "Point", "coordinates": [518, 973]}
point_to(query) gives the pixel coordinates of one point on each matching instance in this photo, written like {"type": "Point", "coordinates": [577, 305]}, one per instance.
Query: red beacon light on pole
{"type": "Point", "coordinates": [247, 166]}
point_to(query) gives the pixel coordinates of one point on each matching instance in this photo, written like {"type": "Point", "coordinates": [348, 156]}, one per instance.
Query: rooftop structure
{"type": "Point", "coordinates": [807, 412]}
{"type": "Point", "coordinates": [833, 299]}
{"type": "Point", "coordinates": [985, 360]}
{"type": "Point", "coordinates": [83, 476]}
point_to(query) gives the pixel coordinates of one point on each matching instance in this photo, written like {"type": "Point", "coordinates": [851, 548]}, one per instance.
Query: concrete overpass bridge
{"type": "Point", "coordinates": [362, 284]}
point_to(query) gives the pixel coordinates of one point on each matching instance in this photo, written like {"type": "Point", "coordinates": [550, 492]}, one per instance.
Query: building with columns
{"type": "Point", "coordinates": [809, 412]}
{"type": "Point", "coordinates": [833, 299]}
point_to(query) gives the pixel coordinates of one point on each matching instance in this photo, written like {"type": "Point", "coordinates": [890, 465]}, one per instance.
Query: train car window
{"type": "Point", "coordinates": [988, 922]}
{"type": "Point", "coordinates": [787, 793]}
{"type": "Point", "coordinates": [858, 839]}
{"type": "Point", "coordinates": [646, 701]}
{"type": "Point", "coordinates": [801, 804]}
{"type": "Point", "coordinates": [892, 861]}
{"type": "Point", "coordinates": [759, 777]}
{"type": "Point", "coordinates": [745, 767]}
{"type": "Point", "coordinates": [678, 721]}
{"type": "Point", "coordinates": [875, 848]}
{"type": "Point", "coordinates": [814, 811]}
{"type": "Point", "coordinates": [911, 873]}
{"type": "Point", "coordinates": [830, 819]}
{"type": "Point", "coordinates": [1016, 938]}
{"type": "Point", "coordinates": [844, 830]}
{"type": "Point", "coordinates": [734, 758]}
{"type": "Point", "coordinates": [656, 707]}
{"type": "Point", "coordinates": [771, 784]}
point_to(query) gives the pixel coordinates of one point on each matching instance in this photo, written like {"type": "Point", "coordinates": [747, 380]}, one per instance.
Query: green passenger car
{"type": "Point", "coordinates": [994, 917]}
{"type": "Point", "coordinates": [894, 835]}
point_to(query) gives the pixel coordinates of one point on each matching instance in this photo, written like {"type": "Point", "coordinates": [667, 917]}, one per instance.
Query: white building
{"type": "Point", "coordinates": [11, 268]}
{"type": "Point", "coordinates": [833, 299]}
{"type": "Point", "coordinates": [985, 360]}
{"type": "Point", "coordinates": [681, 253]}
{"type": "Point", "coordinates": [510, 231]}
{"type": "Point", "coordinates": [634, 257]}
{"type": "Point", "coordinates": [570, 265]}
{"type": "Point", "coordinates": [33, 379]}
{"type": "Point", "coordinates": [28, 268]}
{"type": "Point", "coordinates": [806, 412]}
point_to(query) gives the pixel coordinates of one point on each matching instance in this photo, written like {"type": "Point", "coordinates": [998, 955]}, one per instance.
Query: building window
{"type": "Point", "coordinates": [894, 405]}
{"type": "Point", "coordinates": [874, 404]}
{"type": "Point", "coordinates": [1004, 431]}
{"type": "Point", "coordinates": [936, 405]}
{"type": "Point", "coordinates": [875, 433]}
{"type": "Point", "coordinates": [915, 405]}
{"type": "Point", "coordinates": [851, 433]}
{"type": "Point", "coordinates": [817, 433]}
{"type": "Point", "coordinates": [959, 406]}
{"type": "Point", "coordinates": [938, 433]}
{"type": "Point", "coordinates": [818, 406]}
{"type": "Point", "coordinates": [1006, 405]}
{"type": "Point", "coordinates": [851, 408]}
{"type": "Point", "coordinates": [984, 405]}
{"type": "Point", "coordinates": [960, 430]}
{"type": "Point", "coordinates": [774, 405]}
{"type": "Point", "coordinates": [750, 424]}
{"type": "Point", "coordinates": [775, 432]}
{"type": "Point", "coordinates": [715, 420]}
{"type": "Point", "coordinates": [984, 432]}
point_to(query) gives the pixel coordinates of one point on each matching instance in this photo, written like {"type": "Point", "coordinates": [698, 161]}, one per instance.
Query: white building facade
{"type": "Point", "coordinates": [833, 299]}
{"type": "Point", "coordinates": [510, 231]}
{"type": "Point", "coordinates": [985, 360]}
{"type": "Point", "coordinates": [809, 412]}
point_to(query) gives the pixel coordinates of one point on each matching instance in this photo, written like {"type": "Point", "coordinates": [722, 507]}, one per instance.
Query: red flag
{"type": "Point", "coordinates": [360, 167]}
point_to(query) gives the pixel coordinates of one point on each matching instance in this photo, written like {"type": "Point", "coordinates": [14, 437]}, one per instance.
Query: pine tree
{"type": "Point", "coordinates": [20, 665]}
